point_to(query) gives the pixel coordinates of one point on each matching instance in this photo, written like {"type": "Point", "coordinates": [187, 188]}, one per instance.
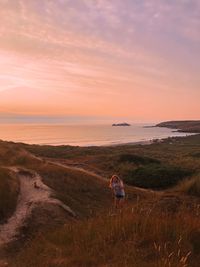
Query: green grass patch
{"type": "Point", "coordinates": [156, 176]}
{"type": "Point", "coordinates": [136, 159]}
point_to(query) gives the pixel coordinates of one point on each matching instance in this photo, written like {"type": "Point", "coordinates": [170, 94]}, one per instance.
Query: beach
{"type": "Point", "coordinates": [83, 135]}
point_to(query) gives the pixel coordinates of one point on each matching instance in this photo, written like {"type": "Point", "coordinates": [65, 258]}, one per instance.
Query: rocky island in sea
{"type": "Point", "coordinates": [121, 124]}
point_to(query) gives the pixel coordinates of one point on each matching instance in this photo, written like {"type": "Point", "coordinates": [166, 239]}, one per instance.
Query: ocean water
{"type": "Point", "coordinates": [82, 135]}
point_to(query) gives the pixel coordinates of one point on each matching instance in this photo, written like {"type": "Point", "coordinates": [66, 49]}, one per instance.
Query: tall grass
{"type": "Point", "coordinates": [136, 236]}
{"type": "Point", "coordinates": [190, 186]}
{"type": "Point", "coordinates": [141, 235]}
{"type": "Point", "coordinates": [9, 189]}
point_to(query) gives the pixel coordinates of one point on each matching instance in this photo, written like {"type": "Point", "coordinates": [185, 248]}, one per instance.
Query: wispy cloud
{"type": "Point", "coordinates": [95, 51]}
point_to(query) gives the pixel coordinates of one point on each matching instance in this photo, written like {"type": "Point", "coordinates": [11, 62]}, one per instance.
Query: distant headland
{"type": "Point", "coordinates": [188, 126]}
{"type": "Point", "coordinates": [121, 124]}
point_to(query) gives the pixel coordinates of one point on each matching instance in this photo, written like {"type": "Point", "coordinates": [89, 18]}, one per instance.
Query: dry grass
{"type": "Point", "coordinates": [9, 189]}
{"type": "Point", "coordinates": [84, 193]}
{"type": "Point", "coordinates": [142, 235]}
{"type": "Point", "coordinates": [138, 236]}
{"type": "Point", "coordinates": [190, 186]}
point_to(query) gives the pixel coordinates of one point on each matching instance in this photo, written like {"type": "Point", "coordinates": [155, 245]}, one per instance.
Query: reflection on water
{"type": "Point", "coordinates": [81, 135]}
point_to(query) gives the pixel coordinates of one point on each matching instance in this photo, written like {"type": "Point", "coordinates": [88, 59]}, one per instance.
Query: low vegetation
{"type": "Point", "coordinates": [156, 176]}
{"type": "Point", "coordinates": [191, 186]}
{"type": "Point", "coordinates": [9, 189]}
{"type": "Point", "coordinates": [139, 236]}
{"type": "Point", "coordinates": [155, 229]}
{"type": "Point", "coordinates": [82, 192]}
{"type": "Point", "coordinates": [196, 155]}
{"type": "Point", "coordinates": [131, 158]}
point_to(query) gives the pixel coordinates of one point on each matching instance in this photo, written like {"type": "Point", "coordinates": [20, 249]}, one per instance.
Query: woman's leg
{"type": "Point", "coordinates": [121, 202]}
{"type": "Point", "coordinates": [117, 200]}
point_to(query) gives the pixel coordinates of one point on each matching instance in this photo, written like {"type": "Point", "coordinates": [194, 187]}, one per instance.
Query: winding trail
{"type": "Point", "coordinates": [33, 192]}
{"type": "Point", "coordinates": [78, 169]}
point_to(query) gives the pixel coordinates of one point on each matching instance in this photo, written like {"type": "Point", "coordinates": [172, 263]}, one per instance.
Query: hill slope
{"type": "Point", "coordinates": [155, 228]}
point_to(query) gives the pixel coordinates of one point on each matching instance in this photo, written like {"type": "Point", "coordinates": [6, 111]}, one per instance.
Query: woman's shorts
{"type": "Point", "coordinates": [119, 196]}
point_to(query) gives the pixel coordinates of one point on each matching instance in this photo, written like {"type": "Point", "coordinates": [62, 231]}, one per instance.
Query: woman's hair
{"type": "Point", "coordinates": [112, 178]}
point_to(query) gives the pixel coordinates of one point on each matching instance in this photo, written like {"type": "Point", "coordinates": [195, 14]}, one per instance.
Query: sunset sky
{"type": "Point", "coordinates": [133, 59]}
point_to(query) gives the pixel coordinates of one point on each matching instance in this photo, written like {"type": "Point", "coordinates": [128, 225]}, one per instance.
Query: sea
{"type": "Point", "coordinates": [83, 135]}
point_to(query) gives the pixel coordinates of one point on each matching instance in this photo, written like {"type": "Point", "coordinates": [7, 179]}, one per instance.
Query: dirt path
{"type": "Point", "coordinates": [78, 169]}
{"type": "Point", "coordinates": [33, 192]}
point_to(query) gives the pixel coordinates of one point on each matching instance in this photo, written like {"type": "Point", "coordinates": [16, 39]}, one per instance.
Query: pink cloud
{"type": "Point", "coordinates": [96, 53]}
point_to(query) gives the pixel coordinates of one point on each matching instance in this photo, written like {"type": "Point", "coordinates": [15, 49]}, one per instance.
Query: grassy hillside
{"type": "Point", "coordinates": [139, 236]}
{"type": "Point", "coordinates": [154, 229]}
{"type": "Point", "coordinates": [9, 189]}
{"type": "Point", "coordinates": [84, 193]}
{"type": "Point", "coordinates": [160, 165]}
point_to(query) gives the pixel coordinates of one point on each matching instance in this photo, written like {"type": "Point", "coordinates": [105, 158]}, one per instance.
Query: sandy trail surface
{"type": "Point", "coordinates": [78, 169]}
{"type": "Point", "coordinates": [33, 192]}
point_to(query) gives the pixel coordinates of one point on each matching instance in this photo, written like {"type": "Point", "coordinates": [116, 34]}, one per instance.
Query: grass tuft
{"type": "Point", "coordinates": [191, 186]}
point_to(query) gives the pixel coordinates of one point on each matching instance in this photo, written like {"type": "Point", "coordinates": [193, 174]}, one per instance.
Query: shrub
{"type": "Point", "coordinates": [156, 176]}
{"type": "Point", "coordinates": [196, 155]}
{"type": "Point", "coordinates": [131, 158]}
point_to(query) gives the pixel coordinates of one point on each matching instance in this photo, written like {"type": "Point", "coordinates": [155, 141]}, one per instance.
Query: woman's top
{"type": "Point", "coordinates": [118, 188]}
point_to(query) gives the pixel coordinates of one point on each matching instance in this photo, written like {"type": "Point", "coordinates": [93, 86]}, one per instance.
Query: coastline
{"type": "Point", "coordinates": [88, 136]}
{"type": "Point", "coordinates": [136, 143]}
{"type": "Point", "coordinates": [186, 126]}
{"type": "Point", "coordinates": [154, 141]}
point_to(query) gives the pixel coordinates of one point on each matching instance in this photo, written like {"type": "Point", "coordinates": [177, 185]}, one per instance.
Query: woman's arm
{"type": "Point", "coordinates": [121, 184]}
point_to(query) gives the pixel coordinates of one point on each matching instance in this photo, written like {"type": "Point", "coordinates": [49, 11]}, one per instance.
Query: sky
{"type": "Point", "coordinates": [81, 59]}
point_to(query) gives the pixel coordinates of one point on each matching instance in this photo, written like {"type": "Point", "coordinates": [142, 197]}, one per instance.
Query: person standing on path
{"type": "Point", "coordinates": [117, 186]}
